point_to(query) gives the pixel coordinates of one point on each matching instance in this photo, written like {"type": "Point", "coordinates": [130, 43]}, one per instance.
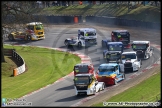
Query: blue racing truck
{"type": "Point", "coordinates": [113, 52]}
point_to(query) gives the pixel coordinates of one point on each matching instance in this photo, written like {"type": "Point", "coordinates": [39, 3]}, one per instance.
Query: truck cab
{"type": "Point", "coordinates": [83, 68]}
{"type": "Point", "coordinates": [143, 49]}
{"type": "Point", "coordinates": [35, 30]}
{"type": "Point", "coordinates": [86, 37]}
{"type": "Point", "coordinates": [131, 61]}
{"type": "Point", "coordinates": [87, 84]}
{"type": "Point", "coordinates": [113, 56]}
{"type": "Point", "coordinates": [110, 73]}
{"type": "Point", "coordinates": [112, 48]}
{"type": "Point", "coordinates": [121, 36]}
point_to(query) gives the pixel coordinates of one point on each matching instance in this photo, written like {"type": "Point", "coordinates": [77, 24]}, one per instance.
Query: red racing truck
{"type": "Point", "coordinates": [83, 68]}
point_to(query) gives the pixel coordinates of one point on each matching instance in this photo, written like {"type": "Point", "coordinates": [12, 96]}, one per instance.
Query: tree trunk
{"type": "Point", "coordinates": [2, 53]}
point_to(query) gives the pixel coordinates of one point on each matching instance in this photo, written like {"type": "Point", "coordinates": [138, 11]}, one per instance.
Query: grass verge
{"type": "Point", "coordinates": [146, 91]}
{"type": "Point", "coordinates": [44, 66]}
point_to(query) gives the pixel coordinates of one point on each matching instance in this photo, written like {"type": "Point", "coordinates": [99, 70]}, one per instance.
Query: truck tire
{"type": "Point", "coordinates": [79, 44]}
{"type": "Point", "coordinates": [94, 90]}
{"type": "Point", "coordinates": [66, 42]}
{"type": "Point", "coordinates": [10, 37]}
{"type": "Point", "coordinates": [103, 45]}
{"type": "Point", "coordinates": [103, 86]}
{"type": "Point", "coordinates": [123, 75]}
{"type": "Point", "coordinates": [115, 82]}
{"type": "Point", "coordinates": [78, 95]}
{"type": "Point", "coordinates": [28, 38]}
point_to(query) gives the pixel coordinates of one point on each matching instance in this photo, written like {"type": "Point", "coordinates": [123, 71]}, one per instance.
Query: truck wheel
{"type": "Point", "coordinates": [103, 86]}
{"type": "Point", "coordinates": [66, 43]}
{"type": "Point", "coordinates": [115, 82]}
{"type": "Point", "coordinates": [10, 37]}
{"type": "Point", "coordinates": [28, 38]}
{"type": "Point", "coordinates": [94, 92]}
{"type": "Point", "coordinates": [123, 75]}
{"type": "Point", "coordinates": [78, 94]}
{"type": "Point", "coordinates": [79, 44]}
{"type": "Point", "coordinates": [102, 44]}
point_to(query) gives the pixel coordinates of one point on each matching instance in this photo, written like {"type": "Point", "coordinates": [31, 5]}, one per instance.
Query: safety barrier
{"type": "Point", "coordinates": [58, 19]}
{"type": "Point", "coordinates": [122, 22]}
{"type": "Point", "coordinates": [54, 19]}
{"type": "Point", "coordinates": [20, 61]}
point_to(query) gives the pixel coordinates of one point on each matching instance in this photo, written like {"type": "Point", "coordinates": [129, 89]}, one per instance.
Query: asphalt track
{"type": "Point", "coordinates": [63, 93]}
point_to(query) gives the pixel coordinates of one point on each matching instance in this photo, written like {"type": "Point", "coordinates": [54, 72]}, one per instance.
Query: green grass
{"type": "Point", "coordinates": [44, 66]}
{"type": "Point", "coordinates": [140, 12]}
{"type": "Point", "coordinates": [147, 91]}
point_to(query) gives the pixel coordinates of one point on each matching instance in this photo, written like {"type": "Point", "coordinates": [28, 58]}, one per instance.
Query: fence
{"type": "Point", "coordinates": [52, 19]}
{"type": "Point", "coordinates": [19, 60]}
{"type": "Point", "coordinates": [122, 22]}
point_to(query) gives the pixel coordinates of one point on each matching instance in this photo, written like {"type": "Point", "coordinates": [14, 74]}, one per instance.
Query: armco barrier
{"type": "Point", "coordinates": [122, 22]}
{"type": "Point", "coordinates": [21, 63]}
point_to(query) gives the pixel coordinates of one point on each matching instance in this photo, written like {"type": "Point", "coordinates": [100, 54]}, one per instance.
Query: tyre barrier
{"type": "Point", "coordinates": [20, 61]}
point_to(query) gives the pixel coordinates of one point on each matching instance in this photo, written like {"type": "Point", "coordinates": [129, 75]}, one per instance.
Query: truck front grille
{"type": "Point", "coordinates": [81, 87]}
{"type": "Point", "coordinates": [127, 64]}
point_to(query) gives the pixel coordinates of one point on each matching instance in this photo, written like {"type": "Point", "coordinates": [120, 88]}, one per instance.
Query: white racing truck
{"type": "Point", "coordinates": [130, 61]}
{"type": "Point", "coordinates": [87, 84]}
{"type": "Point", "coordinates": [86, 37]}
{"type": "Point", "coordinates": [143, 49]}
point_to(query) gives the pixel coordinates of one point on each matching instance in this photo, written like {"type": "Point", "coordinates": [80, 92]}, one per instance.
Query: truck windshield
{"type": "Point", "coordinates": [139, 46]}
{"type": "Point", "coordinates": [81, 80]}
{"type": "Point", "coordinates": [83, 68]}
{"type": "Point", "coordinates": [105, 68]}
{"type": "Point", "coordinates": [128, 56]}
{"type": "Point", "coordinates": [123, 34]}
{"type": "Point", "coordinates": [39, 27]}
{"type": "Point", "coordinates": [113, 56]}
{"type": "Point", "coordinates": [115, 48]}
{"type": "Point", "coordinates": [90, 34]}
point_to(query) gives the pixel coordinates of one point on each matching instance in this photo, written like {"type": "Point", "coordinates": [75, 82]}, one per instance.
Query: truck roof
{"type": "Point", "coordinates": [82, 64]}
{"type": "Point", "coordinates": [115, 43]}
{"type": "Point", "coordinates": [34, 23]}
{"type": "Point", "coordinates": [141, 42]}
{"type": "Point", "coordinates": [109, 64]}
{"type": "Point", "coordinates": [87, 29]}
{"type": "Point", "coordinates": [120, 31]}
{"type": "Point", "coordinates": [130, 52]}
{"type": "Point", "coordinates": [88, 74]}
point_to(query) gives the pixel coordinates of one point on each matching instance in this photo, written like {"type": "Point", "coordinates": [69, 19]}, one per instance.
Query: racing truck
{"type": "Point", "coordinates": [110, 73]}
{"type": "Point", "coordinates": [87, 84]}
{"type": "Point", "coordinates": [86, 37]}
{"type": "Point", "coordinates": [131, 61]}
{"type": "Point", "coordinates": [33, 31]}
{"type": "Point", "coordinates": [121, 36]}
{"type": "Point", "coordinates": [143, 49]}
{"type": "Point", "coordinates": [83, 68]}
{"type": "Point", "coordinates": [113, 52]}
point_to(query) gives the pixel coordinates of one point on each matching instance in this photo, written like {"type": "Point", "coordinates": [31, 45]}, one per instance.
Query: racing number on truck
{"type": "Point", "coordinates": [134, 46]}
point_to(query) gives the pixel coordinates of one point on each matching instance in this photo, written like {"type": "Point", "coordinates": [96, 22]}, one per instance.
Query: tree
{"type": "Point", "coordinates": [14, 16]}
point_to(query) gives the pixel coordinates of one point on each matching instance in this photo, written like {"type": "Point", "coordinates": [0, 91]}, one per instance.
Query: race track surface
{"type": "Point", "coordinates": [63, 93]}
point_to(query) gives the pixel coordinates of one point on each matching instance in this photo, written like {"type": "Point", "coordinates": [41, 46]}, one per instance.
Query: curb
{"type": "Point", "coordinates": [84, 59]}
